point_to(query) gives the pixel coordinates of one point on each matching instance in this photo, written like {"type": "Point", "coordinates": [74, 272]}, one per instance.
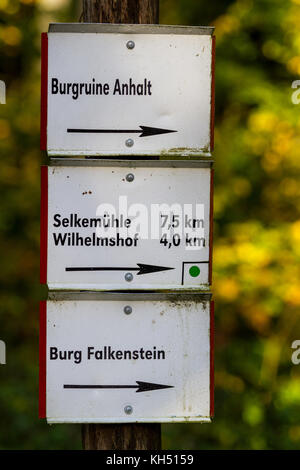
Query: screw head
{"type": "Point", "coordinates": [129, 143]}
{"type": "Point", "coordinates": [127, 309]}
{"type": "Point", "coordinates": [130, 45]}
{"type": "Point", "coordinates": [129, 177]}
{"type": "Point", "coordinates": [128, 277]}
{"type": "Point", "coordinates": [128, 409]}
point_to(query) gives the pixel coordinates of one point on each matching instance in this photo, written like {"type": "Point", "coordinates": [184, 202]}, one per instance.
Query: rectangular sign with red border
{"type": "Point", "coordinates": [127, 90]}
{"type": "Point", "coordinates": [120, 358]}
{"type": "Point", "coordinates": [127, 226]}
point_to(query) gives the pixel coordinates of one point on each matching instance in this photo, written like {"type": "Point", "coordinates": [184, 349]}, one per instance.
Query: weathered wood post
{"type": "Point", "coordinates": [121, 436]}
{"type": "Point", "coordinates": [121, 11]}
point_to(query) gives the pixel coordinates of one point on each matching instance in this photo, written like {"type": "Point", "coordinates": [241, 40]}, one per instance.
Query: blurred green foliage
{"type": "Point", "coordinates": [257, 224]}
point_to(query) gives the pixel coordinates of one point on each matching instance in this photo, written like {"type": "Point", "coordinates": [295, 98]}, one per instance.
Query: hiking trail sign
{"type": "Point", "coordinates": [127, 115]}
{"type": "Point", "coordinates": [127, 90]}
{"type": "Point", "coordinates": [120, 226]}
{"type": "Point", "coordinates": [155, 365]}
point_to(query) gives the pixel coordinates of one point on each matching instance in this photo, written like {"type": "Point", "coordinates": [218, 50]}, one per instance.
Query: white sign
{"type": "Point", "coordinates": [126, 360]}
{"type": "Point", "coordinates": [120, 227]}
{"type": "Point", "coordinates": [127, 90]}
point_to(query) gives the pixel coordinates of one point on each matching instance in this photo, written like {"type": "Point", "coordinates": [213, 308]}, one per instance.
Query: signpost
{"type": "Point", "coordinates": [127, 117]}
{"type": "Point", "coordinates": [134, 90]}
{"type": "Point", "coordinates": [154, 367]}
{"type": "Point", "coordinates": [121, 227]}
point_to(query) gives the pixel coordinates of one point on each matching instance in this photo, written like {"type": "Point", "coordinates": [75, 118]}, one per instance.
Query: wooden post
{"type": "Point", "coordinates": [121, 436]}
{"type": "Point", "coordinates": [121, 11]}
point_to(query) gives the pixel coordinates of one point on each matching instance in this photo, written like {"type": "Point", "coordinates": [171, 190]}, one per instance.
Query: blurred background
{"type": "Point", "coordinates": [257, 224]}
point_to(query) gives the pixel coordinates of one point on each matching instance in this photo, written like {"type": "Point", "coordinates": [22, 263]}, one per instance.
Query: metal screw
{"type": "Point", "coordinates": [128, 277]}
{"type": "Point", "coordinates": [129, 143]}
{"type": "Point", "coordinates": [128, 409]}
{"type": "Point", "coordinates": [128, 310]}
{"type": "Point", "coordinates": [130, 45]}
{"type": "Point", "coordinates": [129, 177]}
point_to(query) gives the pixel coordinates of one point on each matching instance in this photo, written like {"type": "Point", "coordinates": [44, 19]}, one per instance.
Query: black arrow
{"type": "Point", "coordinates": [145, 131]}
{"type": "Point", "coordinates": [142, 269]}
{"type": "Point", "coordinates": [140, 387]}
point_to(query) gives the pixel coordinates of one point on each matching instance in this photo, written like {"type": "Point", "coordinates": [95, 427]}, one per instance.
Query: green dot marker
{"type": "Point", "coordinates": [194, 271]}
